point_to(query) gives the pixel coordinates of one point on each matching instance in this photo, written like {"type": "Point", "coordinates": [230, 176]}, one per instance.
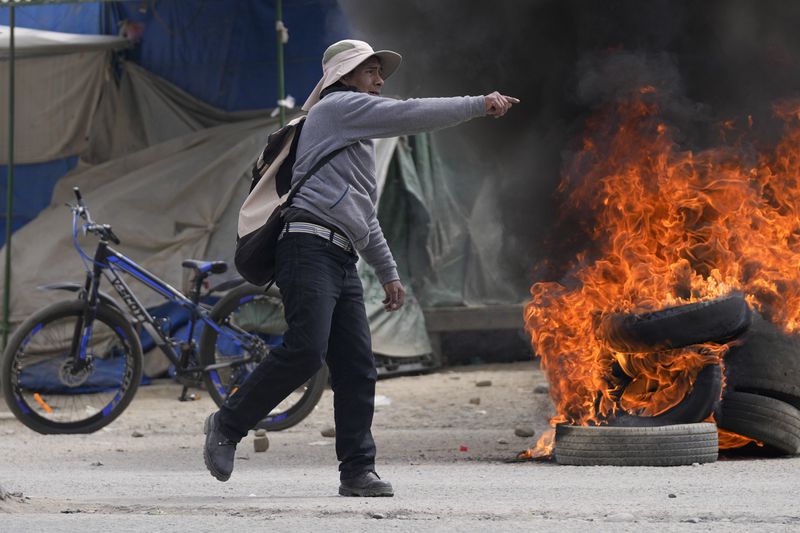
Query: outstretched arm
{"type": "Point", "coordinates": [363, 116]}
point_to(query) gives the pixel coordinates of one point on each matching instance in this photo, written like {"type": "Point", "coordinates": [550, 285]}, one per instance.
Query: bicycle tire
{"type": "Point", "coordinates": [234, 304]}
{"type": "Point", "coordinates": [41, 391]}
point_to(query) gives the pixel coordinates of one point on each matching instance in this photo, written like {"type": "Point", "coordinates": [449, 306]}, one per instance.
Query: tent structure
{"type": "Point", "coordinates": [164, 25]}
{"type": "Point", "coordinates": [169, 172]}
{"type": "Point", "coordinates": [175, 172]}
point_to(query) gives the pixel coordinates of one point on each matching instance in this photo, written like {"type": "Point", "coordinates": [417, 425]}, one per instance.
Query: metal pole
{"type": "Point", "coordinates": [280, 31]}
{"type": "Point", "coordinates": [9, 182]}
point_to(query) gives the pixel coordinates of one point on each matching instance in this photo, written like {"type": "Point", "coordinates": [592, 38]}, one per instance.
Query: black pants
{"type": "Point", "coordinates": [324, 305]}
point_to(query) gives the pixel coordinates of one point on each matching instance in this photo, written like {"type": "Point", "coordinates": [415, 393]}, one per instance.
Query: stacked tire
{"type": "Point", "coordinates": [672, 445]}
{"type": "Point", "coordinates": [762, 398]}
{"type": "Point", "coordinates": [678, 436]}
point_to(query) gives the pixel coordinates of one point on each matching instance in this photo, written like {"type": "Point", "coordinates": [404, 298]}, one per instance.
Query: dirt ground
{"type": "Point", "coordinates": [448, 456]}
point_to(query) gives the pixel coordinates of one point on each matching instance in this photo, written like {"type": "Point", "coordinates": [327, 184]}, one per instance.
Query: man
{"type": "Point", "coordinates": [332, 217]}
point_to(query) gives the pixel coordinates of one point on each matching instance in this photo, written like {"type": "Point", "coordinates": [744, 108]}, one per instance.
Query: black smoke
{"type": "Point", "coordinates": [717, 59]}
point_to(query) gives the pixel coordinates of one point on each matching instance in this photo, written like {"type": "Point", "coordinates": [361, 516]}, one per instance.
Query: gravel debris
{"type": "Point", "coordinates": [261, 441]}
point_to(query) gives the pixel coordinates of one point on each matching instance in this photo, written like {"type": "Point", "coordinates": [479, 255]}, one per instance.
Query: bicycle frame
{"type": "Point", "coordinates": [107, 262]}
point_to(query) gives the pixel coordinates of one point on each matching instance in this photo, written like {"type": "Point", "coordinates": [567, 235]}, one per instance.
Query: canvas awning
{"type": "Point", "coordinates": [30, 43]}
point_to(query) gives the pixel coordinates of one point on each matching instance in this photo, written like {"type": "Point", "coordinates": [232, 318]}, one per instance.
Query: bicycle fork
{"type": "Point", "coordinates": [83, 326]}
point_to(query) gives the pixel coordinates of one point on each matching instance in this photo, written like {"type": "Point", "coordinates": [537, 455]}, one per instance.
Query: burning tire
{"type": "Point", "coordinates": [714, 320]}
{"type": "Point", "coordinates": [771, 421]}
{"type": "Point", "coordinates": [767, 362]}
{"type": "Point", "coordinates": [695, 407]}
{"type": "Point", "coordinates": [676, 445]}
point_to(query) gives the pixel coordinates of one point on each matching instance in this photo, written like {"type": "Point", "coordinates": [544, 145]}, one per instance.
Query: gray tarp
{"type": "Point", "coordinates": [146, 110]}
{"type": "Point", "coordinates": [59, 78]}
{"type": "Point", "coordinates": [173, 200]}
{"type": "Point", "coordinates": [449, 251]}
{"type": "Point", "coordinates": [170, 172]}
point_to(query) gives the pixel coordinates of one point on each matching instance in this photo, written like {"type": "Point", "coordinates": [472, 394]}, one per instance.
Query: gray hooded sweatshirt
{"type": "Point", "coordinates": [344, 192]}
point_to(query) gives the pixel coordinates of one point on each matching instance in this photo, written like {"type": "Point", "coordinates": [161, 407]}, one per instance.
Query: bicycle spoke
{"type": "Point", "coordinates": [254, 315]}
{"type": "Point", "coordinates": [52, 384]}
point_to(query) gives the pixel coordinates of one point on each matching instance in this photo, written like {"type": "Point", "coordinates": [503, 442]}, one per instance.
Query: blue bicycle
{"type": "Point", "coordinates": [74, 366]}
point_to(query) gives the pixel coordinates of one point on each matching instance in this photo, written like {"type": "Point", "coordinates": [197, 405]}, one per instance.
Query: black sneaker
{"type": "Point", "coordinates": [367, 484]}
{"type": "Point", "coordinates": [219, 449]}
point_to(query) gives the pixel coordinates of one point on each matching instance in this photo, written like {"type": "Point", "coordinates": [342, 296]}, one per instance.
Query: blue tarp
{"type": "Point", "coordinates": [107, 375]}
{"type": "Point", "coordinates": [175, 319]}
{"type": "Point", "coordinates": [68, 18]}
{"type": "Point", "coordinates": [33, 188]}
{"type": "Point", "coordinates": [224, 52]}
{"type": "Point", "coordinates": [221, 51]}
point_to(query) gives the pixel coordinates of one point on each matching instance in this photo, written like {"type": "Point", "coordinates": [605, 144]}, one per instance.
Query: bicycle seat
{"type": "Point", "coordinates": [214, 267]}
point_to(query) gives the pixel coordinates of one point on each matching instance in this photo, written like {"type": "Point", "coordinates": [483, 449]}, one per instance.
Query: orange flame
{"type": "Point", "coordinates": [543, 449]}
{"type": "Point", "coordinates": [668, 226]}
{"type": "Point", "coordinates": [729, 440]}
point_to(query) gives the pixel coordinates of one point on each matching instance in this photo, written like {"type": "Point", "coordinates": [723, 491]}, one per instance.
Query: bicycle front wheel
{"type": "Point", "coordinates": [248, 308]}
{"type": "Point", "coordinates": [50, 389]}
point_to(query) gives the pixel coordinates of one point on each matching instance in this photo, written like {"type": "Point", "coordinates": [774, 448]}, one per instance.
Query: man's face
{"type": "Point", "coordinates": [367, 77]}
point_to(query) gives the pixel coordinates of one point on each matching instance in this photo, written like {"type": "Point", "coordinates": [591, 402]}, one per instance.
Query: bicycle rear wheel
{"type": "Point", "coordinates": [250, 309]}
{"type": "Point", "coordinates": [50, 391]}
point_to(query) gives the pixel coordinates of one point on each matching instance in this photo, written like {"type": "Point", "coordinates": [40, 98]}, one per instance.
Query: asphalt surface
{"type": "Point", "coordinates": [447, 445]}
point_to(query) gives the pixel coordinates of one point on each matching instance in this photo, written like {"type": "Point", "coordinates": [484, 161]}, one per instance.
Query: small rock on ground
{"type": "Point", "coordinates": [329, 432]}
{"type": "Point", "coordinates": [524, 431]}
{"type": "Point", "coordinates": [484, 383]}
{"type": "Point", "coordinates": [261, 441]}
{"type": "Point", "coordinates": [475, 401]}
{"type": "Point", "coordinates": [541, 389]}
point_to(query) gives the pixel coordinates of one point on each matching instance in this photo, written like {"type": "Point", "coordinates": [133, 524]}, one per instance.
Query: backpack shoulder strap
{"type": "Point", "coordinates": [274, 150]}
{"type": "Point", "coordinates": [319, 164]}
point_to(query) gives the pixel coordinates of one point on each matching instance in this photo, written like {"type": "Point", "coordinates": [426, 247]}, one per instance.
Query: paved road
{"type": "Point", "coordinates": [111, 481]}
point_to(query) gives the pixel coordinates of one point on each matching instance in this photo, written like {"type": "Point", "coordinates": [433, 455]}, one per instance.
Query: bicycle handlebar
{"type": "Point", "coordinates": [104, 231]}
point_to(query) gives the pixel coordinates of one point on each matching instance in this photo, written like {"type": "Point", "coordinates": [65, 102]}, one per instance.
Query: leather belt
{"type": "Point", "coordinates": [320, 231]}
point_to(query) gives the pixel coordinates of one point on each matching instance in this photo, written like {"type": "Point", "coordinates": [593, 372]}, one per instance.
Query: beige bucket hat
{"type": "Point", "coordinates": [342, 57]}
